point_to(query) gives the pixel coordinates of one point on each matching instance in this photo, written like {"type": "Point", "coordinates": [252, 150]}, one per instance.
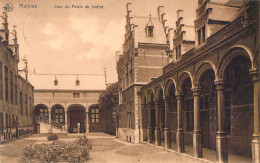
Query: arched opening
{"type": "Point", "coordinates": [95, 118]}
{"type": "Point", "coordinates": [57, 114]}
{"type": "Point", "coordinates": [152, 116]}
{"type": "Point", "coordinates": [144, 118]}
{"type": "Point", "coordinates": [239, 105]}
{"type": "Point", "coordinates": [188, 110]}
{"type": "Point", "coordinates": [162, 113]}
{"type": "Point", "coordinates": [41, 110]}
{"type": "Point", "coordinates": [41, 114]}
{"type": "Point", "coordinates": [173, 112]}
{"type": "Point", "coordinates": [76, 119]}
{"type": "Point", "coordinates": [207, 108]}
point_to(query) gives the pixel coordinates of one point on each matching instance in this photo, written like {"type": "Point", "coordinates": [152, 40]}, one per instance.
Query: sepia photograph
{"type": "Point", "coordinates": [129, 81]}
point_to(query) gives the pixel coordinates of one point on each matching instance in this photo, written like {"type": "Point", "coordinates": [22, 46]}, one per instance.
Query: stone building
{"type": "Point", "coordinates": [67, 103]}
{"type": "Point", "coordinates": [208, 97]}
{"type": "Point", "coordinates": [145, 53]}
{"type": "Point", "coordinates": [16, 93]}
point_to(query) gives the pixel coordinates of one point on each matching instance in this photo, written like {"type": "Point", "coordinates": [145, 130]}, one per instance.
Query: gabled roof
{"type": "Point", "coordinates": [67, 81]}
{"type": "Point", "coordinates": [159, 36]}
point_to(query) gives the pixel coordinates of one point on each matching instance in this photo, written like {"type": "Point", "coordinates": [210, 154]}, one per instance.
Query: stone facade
{"type": "Point", "coordinates": [208, 97]}
{"type": "Point", "coordinates": [16, 93]}
{"type": "Point", "coordinates": [145, 53]}
{"type": "Point", "coordinates": [67, 108]}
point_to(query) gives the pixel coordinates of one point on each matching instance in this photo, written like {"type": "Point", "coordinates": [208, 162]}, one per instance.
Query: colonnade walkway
{"type": "Point", "coordinates": [208, 155]}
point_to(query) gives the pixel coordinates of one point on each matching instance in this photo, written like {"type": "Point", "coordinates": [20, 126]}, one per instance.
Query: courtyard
{"type": "Point", "coordinates": [105, 149]}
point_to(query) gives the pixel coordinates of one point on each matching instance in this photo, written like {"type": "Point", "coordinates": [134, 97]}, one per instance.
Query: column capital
{"type": "Point", "coordinates": [220, 84]}
{"type": "Point", "coordinates": [179, 96]}
{"type": "Point", "coordinates": [255, 75]}
{"type": "Point", "coordinates": [196, 91]}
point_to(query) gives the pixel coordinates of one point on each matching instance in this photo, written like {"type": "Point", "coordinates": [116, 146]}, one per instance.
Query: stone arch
{"type": "Point", "coordinates": [76, 114]}
{"type": "Point", "coordinates": [158, 88]}
{"type": "Point", "coordinates": [233, 52]}
{"type": "Point", "coordinates": [150, 96]}
{"type": "Point", "coordinates": [37, 111]}
{"type": "Point", "coordinates": [203, 67]}
{"type": "Point", "coordinates": [185, 75]}
{"type": "Point", "coordinates": [170, 82]}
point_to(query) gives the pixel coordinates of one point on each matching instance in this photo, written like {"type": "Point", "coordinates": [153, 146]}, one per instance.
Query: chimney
{"type": "Point", "coordinates": [160, 11]}
{"type": "Point", "coordinates": [129, 7]}
{"type": "Point", "coordinates": [179, 14]}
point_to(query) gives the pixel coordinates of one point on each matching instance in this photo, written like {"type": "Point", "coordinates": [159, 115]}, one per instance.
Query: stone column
{"type": "Point", "coordinates": [167, 133]}
{"type": "Point", "coordinates": [66, 121]}
{"type": "Point", "coordinates": [157, 124]}
{"type": "Point", "coordinates": [149, 125]}
{"type": "Point", "coordinates": [50, 127]}
{"type": "Point", "coordinates": [197, 148]}
{"type": "Point", "coordinates": [221, 138]}
{"type": "Point", "coordinates": [87, 123]}
{"type": "Point", "coordinates": [180, 135]}
{"type": "Point", "coordinates": [256, 135]}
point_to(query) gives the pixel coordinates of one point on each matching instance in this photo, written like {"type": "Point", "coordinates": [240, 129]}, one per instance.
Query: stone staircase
{"type": "Point", "coordinates": [46, 128]}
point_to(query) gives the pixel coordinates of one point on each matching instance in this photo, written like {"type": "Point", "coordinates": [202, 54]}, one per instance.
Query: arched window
{"type": "Point", "coordinates": [95, 115]}
{"type": "Point", "coordinates": [41, 110]}
{"type": "Point", "coordinates": [58, 114]}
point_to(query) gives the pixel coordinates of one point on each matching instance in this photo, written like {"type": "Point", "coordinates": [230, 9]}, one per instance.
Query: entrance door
{"type": "Point", "coordinates": [77, 120]}
{"type": "Point", "coordinates": [37, 128]}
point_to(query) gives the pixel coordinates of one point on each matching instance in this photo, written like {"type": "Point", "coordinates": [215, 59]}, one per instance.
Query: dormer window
{"type": "Point", "coordinates": [55, 82]}
{"type": "Point", "coordinates": [201, 35]}
{"type": "Point", "coordinates": [77, 82]}
{"type": "Point", "coordinates": [149, 28]}
{"type": "Point", "coordinates": [150, 31]}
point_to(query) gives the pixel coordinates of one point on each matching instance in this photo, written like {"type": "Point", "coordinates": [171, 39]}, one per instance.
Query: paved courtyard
{"type": "Point", "coordinates": [105, 149]}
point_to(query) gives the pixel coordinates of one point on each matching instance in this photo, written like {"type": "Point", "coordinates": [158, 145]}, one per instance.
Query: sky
{"type": "Point", "coordinates": [80, 40]}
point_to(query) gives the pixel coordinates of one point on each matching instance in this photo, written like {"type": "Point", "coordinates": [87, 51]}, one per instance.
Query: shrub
{"type": "Point", "coordinates": [52, 137]}
{"type": "Point", "coordinates": [58, 151]}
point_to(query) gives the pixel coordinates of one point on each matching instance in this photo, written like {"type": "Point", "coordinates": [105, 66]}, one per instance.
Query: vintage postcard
{"type": "Point", "coordinates": [129, 81]}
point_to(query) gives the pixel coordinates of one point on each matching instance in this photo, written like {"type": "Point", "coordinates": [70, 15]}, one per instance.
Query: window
{"type": "Point", "coordinates": [21, 103]}
{"type": "Point", "coordinates": [15, 89]}
{"type": "Point", "coordinates": [129, 120]}
{"type": "Point", "coordinates": [1, 80]}
{"type": "Point", "coordinates": [77, 82]}
{"type": "Point", "coordinates": [150, 31]}
{"type": "Point", "coordinates": [26, 107]}
{"type": "Point", "coordinates": [58, 115]}
{"type": "Point", "coordinates": [178, 51]}
{"type": "Point", "coordinates": [76, 95]}
{"type": "Point", "coordinates": [6, 84]}
{"type": "Point", "coordinates": [11, 85]}
{"type": "Point", "coordinates": [201, 35]}
{"type": "Point", "coordinates": [55, 82]}
{"type": "Point", "coordinates": [95, 115]}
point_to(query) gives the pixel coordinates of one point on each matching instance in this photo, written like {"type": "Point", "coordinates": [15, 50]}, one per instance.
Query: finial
{"type": "Point", "coordinates": [150, 16]}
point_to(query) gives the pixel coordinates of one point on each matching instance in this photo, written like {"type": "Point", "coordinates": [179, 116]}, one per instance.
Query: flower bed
{"type": "Point", "coordinates": [58, 151]}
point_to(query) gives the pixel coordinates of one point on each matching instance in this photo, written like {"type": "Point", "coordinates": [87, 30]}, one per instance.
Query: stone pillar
{"type": "Point", "coordinates": [149, 125]}
{"type": "Point", "coordinates": [167, 133]}
{"type": "Point", "coordinates": [180, 135]}
{"type": "Point", "coordinates": [87, 123]}
{"type": "Point", "coordinates": [157, 124]}
{"type": "Point", "coordinates": [50, 127]}
{"type": "Point", "coordinates": [221, 138]}
{"type": "Point", "coordinates": [197, 148]}
{"type": "Point", "coordinates": [66, 121]}
{"type": "Point", "coordinates": [256, 135]}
